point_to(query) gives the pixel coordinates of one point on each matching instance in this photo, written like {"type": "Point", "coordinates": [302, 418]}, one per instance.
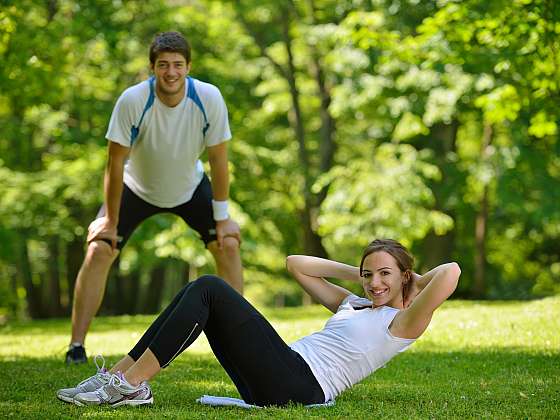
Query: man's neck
{"type": "Point", "coordinates": [170, 100]}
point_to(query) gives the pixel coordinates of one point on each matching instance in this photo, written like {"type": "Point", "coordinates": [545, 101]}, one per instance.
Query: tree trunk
{"type": "Point", "coordinates": [53, 283]}
{"type": "Point", "coordinates": [126, 292]}
{"type": "Point", "coordinates": [34, 306]}
{"type": "Point", "coordinates": [479, 286]}
{"type": "Point", "coordinates": [438, 248]}
{"type": "Point", "coordinates": [192, 272]}
{"type": "Point", "coordinates": [15, 304]}
{"type": "Point", "coordinates": [117, 294]}
{"type": "Point", "coordinates": [154, 290]}
{"type": "Point", "coordinates": [311, 240]}
{"type": "Point", "coordinates": [74, 259]}
{"type": "Point", "coordinates": [132, 281]}
{"type": "Point", "coordinates": [52, 9]}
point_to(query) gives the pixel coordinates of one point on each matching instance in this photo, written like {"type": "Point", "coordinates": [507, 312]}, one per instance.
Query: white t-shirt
{"type": "Point", "coordinates": [164, 167]}
{"type": "Point", "coordinates": [353, 344]}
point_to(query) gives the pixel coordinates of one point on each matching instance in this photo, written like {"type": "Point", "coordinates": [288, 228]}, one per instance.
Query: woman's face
{"type": "Point", "coordinates": [382, 279]}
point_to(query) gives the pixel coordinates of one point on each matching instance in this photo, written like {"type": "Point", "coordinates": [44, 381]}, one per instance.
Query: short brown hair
{"type": "Point", "coordinates": [170, 42]}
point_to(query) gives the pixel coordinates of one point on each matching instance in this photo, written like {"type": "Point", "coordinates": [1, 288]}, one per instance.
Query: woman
{"type": "Point", "coordinates": [362, 336]}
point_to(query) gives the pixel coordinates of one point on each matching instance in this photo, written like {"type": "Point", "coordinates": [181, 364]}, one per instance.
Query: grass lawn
{"type": "Point", "coordinates": [477, 360]}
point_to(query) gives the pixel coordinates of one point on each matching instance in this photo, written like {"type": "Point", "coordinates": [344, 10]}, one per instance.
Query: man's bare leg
{"type": "Point", "coordinates": [90, 287]}
{"type": "Point", "coordinates": [228, 262]}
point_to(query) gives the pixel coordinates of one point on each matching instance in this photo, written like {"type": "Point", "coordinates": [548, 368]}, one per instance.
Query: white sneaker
{"type": "Point", "coordinates": [116, 393]}
{"type": "Point", "coordinates": [92, 383]}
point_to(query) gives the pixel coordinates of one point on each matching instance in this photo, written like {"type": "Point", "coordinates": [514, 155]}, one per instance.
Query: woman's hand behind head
{"type": "Point", "coordinates": [413, 289]}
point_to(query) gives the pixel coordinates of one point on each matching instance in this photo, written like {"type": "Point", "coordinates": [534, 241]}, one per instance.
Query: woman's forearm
{"type": "Point", "coordinates": [310, 273]}
{"type": "Point", "coordinates": [423, 280]}
{"type": "Point", "coordinates": [320, 267]}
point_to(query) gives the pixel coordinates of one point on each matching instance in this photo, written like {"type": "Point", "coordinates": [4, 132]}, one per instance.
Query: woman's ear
{"type": "Point", "coordinates": [407, 277]}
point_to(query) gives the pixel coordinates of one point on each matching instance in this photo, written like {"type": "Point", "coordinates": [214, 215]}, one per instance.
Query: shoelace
{"type": "Point", "coordinates": [101, 372]}
{"type": "Point", "coordinates": [98, 356]}
{"type": "Point", "coordinates": [115, 380]}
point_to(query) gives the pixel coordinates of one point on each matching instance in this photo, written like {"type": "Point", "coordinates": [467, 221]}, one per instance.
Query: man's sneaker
{"type": "Point", "coordinates": [76, 354]}
{"type": "Point", "coordinates": [116, 393]}
{"type": "Point", "coordinates": [92, 383]}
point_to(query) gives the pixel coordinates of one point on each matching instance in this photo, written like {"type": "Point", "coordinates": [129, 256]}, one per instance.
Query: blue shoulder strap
{"type": "Point", "coordinates": [135, 130]}
{"type": "Point", "coordinates": [191, 93]}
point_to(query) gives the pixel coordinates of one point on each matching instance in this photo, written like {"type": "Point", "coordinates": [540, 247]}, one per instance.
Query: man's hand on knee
{"type": "Point", "coordinates": [103, 229]}
{"type": "Point", "coordinates": [101, 249]}
{"type": "Point", "coordinates": [227, 229]}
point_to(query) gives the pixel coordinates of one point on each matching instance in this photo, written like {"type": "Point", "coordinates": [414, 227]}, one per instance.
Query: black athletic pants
{"type": "Point", "coordinates": [265, 370]}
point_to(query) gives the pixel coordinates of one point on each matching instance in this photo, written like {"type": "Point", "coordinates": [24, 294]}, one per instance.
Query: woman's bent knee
{"type": "Point", "coordinates": [208, 280]}
{"type": "Point", "coordinates": [210, 283]}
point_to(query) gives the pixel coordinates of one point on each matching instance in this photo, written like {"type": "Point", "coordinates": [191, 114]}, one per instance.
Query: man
{"type": "Point", "coordinates": [157, 132]}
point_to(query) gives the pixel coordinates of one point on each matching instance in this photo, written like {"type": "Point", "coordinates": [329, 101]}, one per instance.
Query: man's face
{"type": "Point", "coordinates": [170, 70]}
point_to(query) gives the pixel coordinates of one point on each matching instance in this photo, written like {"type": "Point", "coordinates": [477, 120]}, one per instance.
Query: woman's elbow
{"type": "Point", "coordinates": [291, 261]}
{"type": "Point", "coordinates": [454, 272]}
{"type": "Point", "coordinates": [456, 269]}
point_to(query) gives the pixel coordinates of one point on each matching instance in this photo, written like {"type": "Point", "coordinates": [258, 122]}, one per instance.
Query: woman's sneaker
{"type": "Point", "coordinates": [116, 393]}
{"type": "Point", "coordinates": [92, 383]}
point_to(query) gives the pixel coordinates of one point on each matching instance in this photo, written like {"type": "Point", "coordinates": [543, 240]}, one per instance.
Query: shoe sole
{"type": "Point", "coordinates": [133, 403]}
{"type": "Point", "coordinates": [65, 398]}
{"type": "Point", "coordinates": [84, 404]}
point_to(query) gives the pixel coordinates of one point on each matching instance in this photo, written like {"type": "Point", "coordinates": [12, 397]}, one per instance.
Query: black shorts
{"type": "Point", "coordinates": [197, 213]}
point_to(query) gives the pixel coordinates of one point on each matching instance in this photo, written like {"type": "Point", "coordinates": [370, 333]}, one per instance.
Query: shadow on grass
{"type": "Point", "coordinates": [496, 384]}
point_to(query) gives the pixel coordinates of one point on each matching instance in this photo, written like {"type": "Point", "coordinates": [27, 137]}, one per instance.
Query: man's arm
{"type": "Point", "coordinates": [219, 174]}
{"type": "Point", "coordinates": [106, 227]}
{"type": "Point", "coordinates": [219, 171]}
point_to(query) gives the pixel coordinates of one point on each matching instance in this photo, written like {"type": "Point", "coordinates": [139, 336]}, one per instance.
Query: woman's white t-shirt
{"type": "Point", "coordinates": [164, 167]}
{"type": "Point", "coordinates": [353, 344]}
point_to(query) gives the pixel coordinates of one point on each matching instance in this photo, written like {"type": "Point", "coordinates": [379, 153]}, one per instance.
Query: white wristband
{"type": "Point", "coordinates": [220, 210]}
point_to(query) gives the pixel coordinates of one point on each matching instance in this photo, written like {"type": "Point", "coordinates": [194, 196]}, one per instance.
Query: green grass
{"type": "Point", "coordinates": [477, 360]}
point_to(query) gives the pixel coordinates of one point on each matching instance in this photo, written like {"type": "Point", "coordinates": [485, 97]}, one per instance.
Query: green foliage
{"type": "Point", "coordinates": [383, 196]}
{"type": "Point", "coordinates": [440, 114]}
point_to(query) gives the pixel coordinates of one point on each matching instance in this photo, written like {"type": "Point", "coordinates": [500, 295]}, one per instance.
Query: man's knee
{"type": "Point", "coordinates": [230, 248]}
{"type": "Point", "coordinates": [231, 245]}
{"type": "Point", "coordinates": [100, 252]}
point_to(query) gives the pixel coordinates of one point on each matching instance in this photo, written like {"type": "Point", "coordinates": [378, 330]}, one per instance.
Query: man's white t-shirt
{"type": "Point", "coordinates": [353, 344]}
{"type": "Point", "coordinates": [163, 166]}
